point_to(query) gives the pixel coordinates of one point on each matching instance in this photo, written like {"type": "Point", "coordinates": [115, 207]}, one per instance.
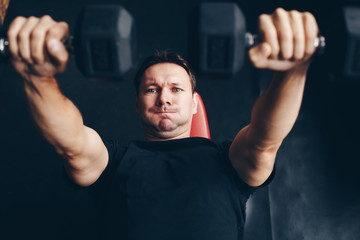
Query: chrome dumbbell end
{"type": "Point", "coordinates": [320, 44]}
{"type": "Point", "coordinates": [4, 47]}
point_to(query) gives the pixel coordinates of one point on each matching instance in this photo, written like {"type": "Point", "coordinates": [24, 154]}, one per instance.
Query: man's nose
{"type": "Point", "coordinates": [164, 98]}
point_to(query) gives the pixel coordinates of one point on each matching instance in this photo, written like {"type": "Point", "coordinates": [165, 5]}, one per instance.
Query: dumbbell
{"type": "Point", "coordinates": [223, 40]}
{"type": "Point", "coordinates": [103, 43]}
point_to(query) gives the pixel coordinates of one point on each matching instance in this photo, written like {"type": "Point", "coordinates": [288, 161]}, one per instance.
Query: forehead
{"type": "Point", "coordinates": [161, 73]}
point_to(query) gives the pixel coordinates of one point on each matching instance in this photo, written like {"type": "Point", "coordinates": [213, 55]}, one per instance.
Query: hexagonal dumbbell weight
{"type": "Point", "coordinates": [223, 40]}
{"type": "Point", "coordinates": [103, 44]}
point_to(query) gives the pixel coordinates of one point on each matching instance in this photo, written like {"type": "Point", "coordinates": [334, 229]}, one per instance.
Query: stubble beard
{"type": "Point", "coordinates": [165, 128]}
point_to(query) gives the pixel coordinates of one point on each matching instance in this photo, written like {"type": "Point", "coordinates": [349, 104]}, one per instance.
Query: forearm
{"type": "Point", "coordinates": [58, 119]}
{"type": "Point", "coordinates": [286, 49]}
{"type": "Point", "coordinates": [275, 112]}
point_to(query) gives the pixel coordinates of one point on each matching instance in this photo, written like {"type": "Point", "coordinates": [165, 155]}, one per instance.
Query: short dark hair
{"type": "Point", "coordinates": [163, 56]}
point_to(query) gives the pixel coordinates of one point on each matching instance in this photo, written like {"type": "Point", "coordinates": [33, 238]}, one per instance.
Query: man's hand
{"type": "Point", "coordinates": [288, 40]}
{"type": "Point", "coordinates": [36, 47]}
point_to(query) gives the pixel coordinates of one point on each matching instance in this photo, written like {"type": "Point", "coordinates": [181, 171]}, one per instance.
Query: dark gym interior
{"type": "Point", "coordinates": [315, 194]}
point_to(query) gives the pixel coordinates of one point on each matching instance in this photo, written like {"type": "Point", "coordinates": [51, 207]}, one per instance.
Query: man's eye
{"type": "Point", "coordinates": [151, 90]}
{"type": "Point", "coordinates": [177, 89]}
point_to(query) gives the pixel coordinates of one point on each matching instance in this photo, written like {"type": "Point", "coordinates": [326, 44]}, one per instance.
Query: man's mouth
{"type": "Point", "coordinates": [164, 112]}
{"type": "Point", "coordinates": [160, 111]}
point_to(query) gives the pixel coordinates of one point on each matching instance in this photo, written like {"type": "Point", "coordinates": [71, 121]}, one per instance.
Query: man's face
{"type": "Point", "coordinates": [165, 102]}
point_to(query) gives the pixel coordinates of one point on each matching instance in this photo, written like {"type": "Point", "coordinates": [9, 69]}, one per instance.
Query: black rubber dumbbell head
{"type": "Point", "coordinates": [222, 44]}
{"type": "Point", "coordinates": [104, 41]}
{"type": "Point", "coordinates": [223, 40]}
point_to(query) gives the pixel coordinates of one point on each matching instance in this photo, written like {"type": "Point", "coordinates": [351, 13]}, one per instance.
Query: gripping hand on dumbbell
{"type": "Point", "coordinates": [288, 40]}
{"type": "Point", "coordinates": [36, 48]}
{"type": "Point", "coordinates": [38, 53]}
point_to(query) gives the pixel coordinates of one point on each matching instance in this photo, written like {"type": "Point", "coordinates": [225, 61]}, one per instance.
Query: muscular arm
{"type": "Point", "coordinates": [274, 113]}
{"type": "Point", "coordinates": [37, 54]}
{"type": "Point", "coordinates": [61, 123]}
{"type": "Point", "coordinates": [254, 149]}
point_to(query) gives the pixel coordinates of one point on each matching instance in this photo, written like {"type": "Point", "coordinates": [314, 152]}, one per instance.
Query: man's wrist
{"type": "Point", "coordinates": [36, 83]}
{"type": "Point", "coordinates": [298, 72]}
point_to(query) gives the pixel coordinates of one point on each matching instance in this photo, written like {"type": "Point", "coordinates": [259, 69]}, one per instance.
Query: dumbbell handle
{"type": "Point", "coordinates": [4, 46]}
{"type": "Point", "coordinates": [253, 39]}
{"type": "Point", "coordinates": [250, 41]}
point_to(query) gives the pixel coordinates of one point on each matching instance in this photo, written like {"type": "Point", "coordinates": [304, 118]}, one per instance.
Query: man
{"type": "Point", "coordinates": [171, 186]}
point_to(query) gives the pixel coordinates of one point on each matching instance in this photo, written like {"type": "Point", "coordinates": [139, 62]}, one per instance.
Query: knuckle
{"type": "Point", "coordinates": [308, 15]}
{"type": "Point", "coordinates": [280, 15]}
{"type": "Point", "coordinates": [32, 19]}
{"type": "Point", "coordinates": [46, 18]}
{"type": "Point", "coordinates": [64, 25]}
{"type": "Point", "coordinates": [279, 11]}
{"type": "Point", "coordinates": [308, 18]}
{"type": "Point", "coordinates": [19, 19]}
{"type": "Point", "coordinates": [294, 14]}
{"type": "Point", "coordinates": [13, 31]}
{"type": "Point", "coordinates": [263, 17]}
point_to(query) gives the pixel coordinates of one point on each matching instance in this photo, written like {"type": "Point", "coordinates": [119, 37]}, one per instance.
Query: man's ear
{"type": "Point", "coordinates": [195, 102]}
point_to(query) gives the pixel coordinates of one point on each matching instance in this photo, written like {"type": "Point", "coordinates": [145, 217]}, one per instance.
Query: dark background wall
{"type": "Point", "coordinates": [315, 194]}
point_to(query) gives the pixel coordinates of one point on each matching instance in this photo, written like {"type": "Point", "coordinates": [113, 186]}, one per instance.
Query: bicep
{"type": "Point", "coordinates": [252, 163]}
{"type": "Point", "coordinates": [87, 166]}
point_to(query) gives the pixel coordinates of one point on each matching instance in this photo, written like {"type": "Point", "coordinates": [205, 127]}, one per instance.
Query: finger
{"type": "Point", "coordinates": [24, 39]}
{"type": "Point", "coordinates": [12, 34]}
{"type": "Point", "coordinates": [311, 33]}
{"type": "Point", "coordinates": [281, 65]}
{"type": "Point", "coordinates": [38, 38]}
{"type": "Point", "coordinates": [284, 32]}
{"type": "Point", "coordinates": [269, 33]}
{"type": "Point", "coordinates": [54, 45]}
{"type": "Point", "coordinates": [299, 34]}
{"type": "Point", "coordinates": [259, 55]}
{"type": "Point", "coordinates": [58, 53]}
